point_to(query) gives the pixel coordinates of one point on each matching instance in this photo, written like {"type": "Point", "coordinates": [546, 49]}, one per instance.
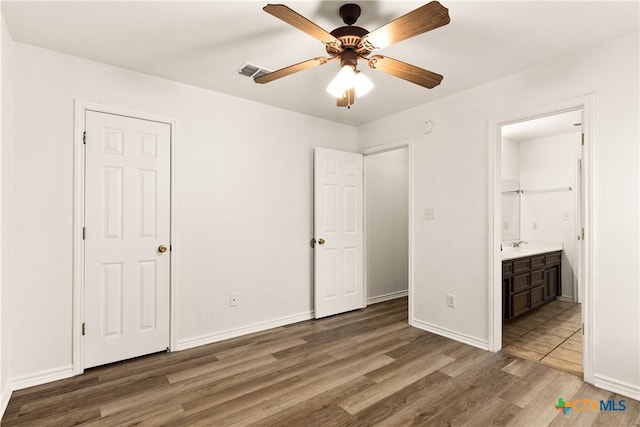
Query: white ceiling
{"type": "Point", "coordinates": [203, 43]}
{"type": "Point", "coordinates": [542, 127]}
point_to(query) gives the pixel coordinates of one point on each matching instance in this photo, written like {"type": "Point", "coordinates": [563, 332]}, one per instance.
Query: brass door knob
{"type": "Point", "coordinates": [162, 249]}
{"type": "Point", "coordinates": [321, 241]}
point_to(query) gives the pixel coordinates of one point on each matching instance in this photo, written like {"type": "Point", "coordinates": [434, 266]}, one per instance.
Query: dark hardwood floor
{"type": "Point", "coordinates": [362, 368]}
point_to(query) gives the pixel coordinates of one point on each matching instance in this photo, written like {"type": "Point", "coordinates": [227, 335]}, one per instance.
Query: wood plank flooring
{"type": "Point", "coordinates": [551, 335]}
{"type": "Point", "coordinates": [362, 368]}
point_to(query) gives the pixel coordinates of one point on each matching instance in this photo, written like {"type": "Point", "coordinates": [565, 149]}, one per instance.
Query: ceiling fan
{"type": "Point", "coordinates": [350, 43]}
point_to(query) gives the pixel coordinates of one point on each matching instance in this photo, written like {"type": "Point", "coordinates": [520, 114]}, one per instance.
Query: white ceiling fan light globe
{"type": "Point", "coordinates": [344, 80]}
{"type": "Point", "coordinates": [363, 84]}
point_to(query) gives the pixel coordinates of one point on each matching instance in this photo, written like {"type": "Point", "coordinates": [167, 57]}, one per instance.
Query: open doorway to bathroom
{"type": "Point", "coordinates": [542, 239]}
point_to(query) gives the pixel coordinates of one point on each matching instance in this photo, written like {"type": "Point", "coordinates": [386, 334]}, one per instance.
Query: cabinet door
{"type": "Point", "coordinates": [551, 282]}
{"type": "Point", "coordinates": [537, 296]}
{"type": "Point", "coordinates": [520, 303]}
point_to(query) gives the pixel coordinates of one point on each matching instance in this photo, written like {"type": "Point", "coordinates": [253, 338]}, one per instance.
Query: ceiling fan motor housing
{"type": "Point", "coordinates": [350, 36]}
{"type": "Point", "coordinates": [350, 13]}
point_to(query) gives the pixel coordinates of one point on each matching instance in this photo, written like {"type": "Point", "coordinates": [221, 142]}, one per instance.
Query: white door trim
{"type": "Point", "coordinates": [78, 222]}
{"type": "Point", "coordinates": [390, 146]}
{"type": "Point", "coordinates": [495, 213]}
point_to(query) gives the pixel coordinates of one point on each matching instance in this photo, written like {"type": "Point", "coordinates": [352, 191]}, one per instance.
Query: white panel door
{"type": "Point", "coordinates": [338, 218]}
{"type": "Point", "coordinates": [127, 220]}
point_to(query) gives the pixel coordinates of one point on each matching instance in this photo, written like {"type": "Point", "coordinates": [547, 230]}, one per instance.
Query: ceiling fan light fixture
{"type": "Point", "coordinates": [362, 84]}
{"type": "Point", "coordinates": [344, 80]}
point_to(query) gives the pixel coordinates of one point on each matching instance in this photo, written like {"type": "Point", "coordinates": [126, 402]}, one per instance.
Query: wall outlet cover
{"type": "Point", "coordinates": [451, 301]}
{"type": "Point", "coordinates": [430, 213]}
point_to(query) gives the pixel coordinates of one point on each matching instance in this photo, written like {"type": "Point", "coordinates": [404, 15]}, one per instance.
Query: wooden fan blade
{"type": "Point", "coordinates": [405, 71]}
{"type": "Point", "coordinates": [428, 17]}
{"type": "Point", "coordinates": [293, 18]}
{"type": "Point", "coordinates": [291, 69]}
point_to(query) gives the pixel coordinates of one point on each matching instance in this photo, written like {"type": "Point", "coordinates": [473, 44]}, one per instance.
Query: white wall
{"type": "Point", "coordinates": [510, 159]}
{"type": "Point", "coordinates": [387, 235]}
{"type": "Point", "coordinates": [510, 182]}
{"type": "Point", "coordinates": [451, 174]}
{"type": "Point", "coordinates": [6, 70]}
{"type": "Point", "coordinates": [551, 163]}
{"type": "Point", "coordinates": [243, 184]}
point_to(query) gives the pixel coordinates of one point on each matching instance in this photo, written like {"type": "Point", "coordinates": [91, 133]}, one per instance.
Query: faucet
{"type": "Point", "coordinates": [518, 243]}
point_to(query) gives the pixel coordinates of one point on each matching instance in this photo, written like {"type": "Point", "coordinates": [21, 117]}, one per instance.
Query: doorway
{"type": "Point", "coordinates": [400, 154]}
{"type": "Point", "coordinates": [550, 189]}
{"type": "Point", "coordinates": [339, 242]}
{"type": "Point", "coordinates": [122, 246]}
{"type": "Point", "coordinates": [386, 213]}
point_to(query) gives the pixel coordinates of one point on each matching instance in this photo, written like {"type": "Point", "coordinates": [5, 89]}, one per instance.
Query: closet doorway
{"type": "Point", "coordinates": [386, 222]}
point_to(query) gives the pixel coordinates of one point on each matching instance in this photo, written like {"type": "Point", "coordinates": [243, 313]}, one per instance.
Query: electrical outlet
{"type": "Point", "coordinates": [535, 225]}
{"type": "Point", "coordinates": [451, 301]}
{"type": "Point", "coordinates": [233, 300]}
{"type": "Point", "coordinates": [430, 213]}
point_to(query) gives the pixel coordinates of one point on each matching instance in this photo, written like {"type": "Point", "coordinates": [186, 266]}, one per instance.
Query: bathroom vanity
{"type": "Point", "coordinates": [530, 279]}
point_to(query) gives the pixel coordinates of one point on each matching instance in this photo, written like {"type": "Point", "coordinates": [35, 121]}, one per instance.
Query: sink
{"type": "Point", "coordinates": [509, 252]}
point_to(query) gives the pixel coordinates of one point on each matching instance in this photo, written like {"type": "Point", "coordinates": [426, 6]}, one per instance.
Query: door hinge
{"type": "Point", "coordinates": [583, 329]}
{"type": "Point", "coordinates": [170, 248]}
{"type": "Point", "coordinates": [583, 139]}
{"type": "Point", "coordinates": [583, 233]}
{"type": "Point", "coordinates": [84, 137]}
{"type": "Point", "coordinates": [83, 328]}
{"type": "Point", "coordinates": [84, 233]}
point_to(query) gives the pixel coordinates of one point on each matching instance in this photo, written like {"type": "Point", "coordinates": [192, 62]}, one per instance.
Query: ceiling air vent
{"type": "Point", "coordinates": [252, 71]}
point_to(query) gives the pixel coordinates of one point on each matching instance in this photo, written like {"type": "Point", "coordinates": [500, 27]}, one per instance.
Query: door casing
{"type": "Point", "coordinates": [79, 220]}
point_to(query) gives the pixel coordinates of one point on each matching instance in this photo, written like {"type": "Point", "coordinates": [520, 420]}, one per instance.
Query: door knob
{"type": "Point", "coordinates": [162, 249]}
{"type": "Point", "coordinates": [321, 241]}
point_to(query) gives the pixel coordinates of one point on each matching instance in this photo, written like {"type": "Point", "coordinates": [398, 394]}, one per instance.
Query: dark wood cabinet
{"type": "Point", "coordinates": [529, 282]}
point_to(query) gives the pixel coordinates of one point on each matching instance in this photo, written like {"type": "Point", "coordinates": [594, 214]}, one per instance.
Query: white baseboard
{"type": "Point", "coordinates": [619, 387]}
{"type": "Point", "coordinates": [233, 333]}
{"type": "Point", "coordinates": [387, 297]}
{"type": "Point", "coordinates": [564, 299]}
{"type": "Point", "coordinates": [4, 399]}
{"type": "Point", "coordinates": [448, 333]}
{"type": "Point", "coordinates": [41, 377]}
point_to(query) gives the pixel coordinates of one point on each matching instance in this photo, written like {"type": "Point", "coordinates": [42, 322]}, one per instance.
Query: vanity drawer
{"type": "Point", "coordinates": [507, 268]}
{"type": "Point", "coordinates": [520, 303]}
{"type": "Point", "coordinates": [537, 261]}
{"type": "Point", "coordinates": [520, 283]}
{"type": "Point", "coordinates": [521, 265]}
{"type": "Point", "coordinates": [537, 296]}
{"type": "Point", "coordinates": [553, 259]}
{"type": "Point", "coordinates": [537, 277]}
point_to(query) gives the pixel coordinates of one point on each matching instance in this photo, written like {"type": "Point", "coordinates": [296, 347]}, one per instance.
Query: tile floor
{"type": "Point", "coordinates": [551, 335]}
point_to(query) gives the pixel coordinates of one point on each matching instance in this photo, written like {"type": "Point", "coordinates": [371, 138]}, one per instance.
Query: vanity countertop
{"type": "Point", "coordinates": [528, 249]}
